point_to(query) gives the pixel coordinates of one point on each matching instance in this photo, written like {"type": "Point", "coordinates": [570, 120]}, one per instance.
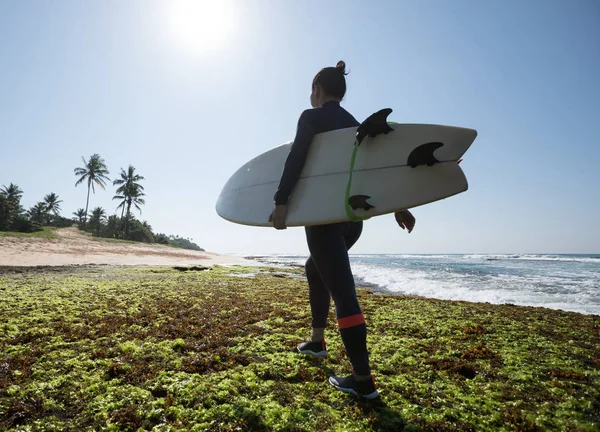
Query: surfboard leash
{"type": "Point", "coordinates": [349, 212]}
{"type": "Point", "coordinates": [374, 125]}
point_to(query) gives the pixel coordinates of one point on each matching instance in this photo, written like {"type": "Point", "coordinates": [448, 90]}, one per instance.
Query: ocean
{"type": "Point", "coordinates": [566, 282]}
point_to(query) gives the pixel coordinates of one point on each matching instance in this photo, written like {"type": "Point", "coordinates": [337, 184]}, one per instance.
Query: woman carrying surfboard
{"type": "Point", "coordinates": [328, 267]}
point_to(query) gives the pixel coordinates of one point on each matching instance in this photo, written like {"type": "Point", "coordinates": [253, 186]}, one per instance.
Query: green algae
{"type": "Point", "coordinates": [46, 232]}
{"type": "Point", "coordinates": [110, 348]}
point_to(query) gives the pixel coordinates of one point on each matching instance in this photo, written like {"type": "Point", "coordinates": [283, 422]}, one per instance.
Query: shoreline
{"type": "Point", "coordinates": [361, 283]}
{"type": "Point", "coordinates": [73, 249]}
{"type": "Point", "coordinates": [270, 271]}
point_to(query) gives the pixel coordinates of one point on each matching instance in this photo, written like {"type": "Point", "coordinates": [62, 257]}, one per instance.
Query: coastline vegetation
{"type": "Point", "coordinates": [38, 220]}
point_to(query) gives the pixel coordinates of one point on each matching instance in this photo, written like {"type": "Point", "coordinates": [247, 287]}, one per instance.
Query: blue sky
{"type": "Point", "coordinates": [188, 108]}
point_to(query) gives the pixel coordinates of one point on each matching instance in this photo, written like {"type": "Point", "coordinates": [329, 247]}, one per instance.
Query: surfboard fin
{"type": "Point", "coordinates": [360, 202]}
{"type": "Point", "coordinates": [423, 155]}
{"type": "Point", "coordinates": [374, 125]}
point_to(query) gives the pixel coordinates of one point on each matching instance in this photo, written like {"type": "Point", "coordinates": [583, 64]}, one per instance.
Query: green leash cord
{"type": "Point", "coordinates": [349, 212]}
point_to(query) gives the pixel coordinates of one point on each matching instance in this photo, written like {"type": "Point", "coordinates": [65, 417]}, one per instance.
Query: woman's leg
{"type": "Point", "coordinates": [319, 299]}
{"type": "Point", "coordinates": [328, 245]}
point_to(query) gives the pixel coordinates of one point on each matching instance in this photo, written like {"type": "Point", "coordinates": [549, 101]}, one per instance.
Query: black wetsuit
{"type": "Point", "coordinates": [328, 267]}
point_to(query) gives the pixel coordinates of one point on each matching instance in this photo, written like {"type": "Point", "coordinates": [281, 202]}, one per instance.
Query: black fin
{"type": "Point", "coordinates": [374, 125]}
{"type": "Point", "coordinates": [360, 202]}
{"type": "Point", "coordinates": [423, 155]}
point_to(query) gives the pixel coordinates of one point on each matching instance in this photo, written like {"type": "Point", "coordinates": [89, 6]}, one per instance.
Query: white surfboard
{"type": "Point", "coordinates": [381, 173]}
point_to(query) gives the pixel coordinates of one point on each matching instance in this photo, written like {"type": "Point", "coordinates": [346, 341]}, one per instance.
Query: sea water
{"type": "Point", "coordinates": [566, 282]}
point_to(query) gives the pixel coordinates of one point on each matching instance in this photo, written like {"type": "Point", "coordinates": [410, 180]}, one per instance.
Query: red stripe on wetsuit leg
{"type": "Point", "coordinates": [351, 321]}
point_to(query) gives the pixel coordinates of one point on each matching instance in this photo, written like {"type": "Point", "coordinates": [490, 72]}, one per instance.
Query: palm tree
{"type": "Point", "coordinates": [129, 192]}
{"type": "Point", "coordinates": [97, 217]}
{"type": "Point", "coordinates": [12, 192]}
{"type": "Point", "coordinates": [95, 172]}
{"type": "Point", "coordinates": [10, 205]}
{"type": "Point", "coordinates": [133, 196]}
{"type": "Point", "coordinates": [38, 213]}
{"type": "Point", "coordinates": [52, 203]}
{"type": "Point", "coordinates": [80, 213]}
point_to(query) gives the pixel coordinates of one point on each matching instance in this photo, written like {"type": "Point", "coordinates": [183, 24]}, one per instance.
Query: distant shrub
{"type": "Point", "coordinates": [161, 239]}
{"type": "Point", "coordinates": [140, 232]}
{"type": "Point", "coordinates": [112, 229]}
{"type": "Point", "coordinates": [6, 209]}
{"type": "Point", "coordinates": [60, 222]}
{"type": "Point", "coordinates": [20, 224]}
{"type": "Point", "coordinates": [184, 243]}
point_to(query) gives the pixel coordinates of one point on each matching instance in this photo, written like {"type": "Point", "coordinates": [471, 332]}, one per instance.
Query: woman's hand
{"type": "Point", "coordinates": [278, 216]}
{"type": "Point", "coordinates": [405, 220]}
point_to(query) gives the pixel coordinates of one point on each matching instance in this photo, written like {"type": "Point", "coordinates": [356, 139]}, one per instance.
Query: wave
{"type": "Point", "coordinates": [468, 277]}
{"type": "Point", "coordinates": [552, 291]}
{"type": "Point", "coordinates": [533, 257]}
{"type": "Point", "coordinates": [484, 257]}
{"type": "Point", "coordinates": [301, 259]}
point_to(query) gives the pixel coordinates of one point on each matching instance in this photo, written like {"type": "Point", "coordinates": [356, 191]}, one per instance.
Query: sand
{"type": "Point", "coordinates": [73, 247]}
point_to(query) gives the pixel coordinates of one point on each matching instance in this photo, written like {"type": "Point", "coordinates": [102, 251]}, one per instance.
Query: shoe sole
{"type": "Point", "coordinates": [354, 393]}
{"type": "Point", "coordinates": [310, 352]}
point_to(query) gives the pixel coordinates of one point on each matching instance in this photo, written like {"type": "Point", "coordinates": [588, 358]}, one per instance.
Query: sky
{"type": "Point", "coordinates": [187, 92]}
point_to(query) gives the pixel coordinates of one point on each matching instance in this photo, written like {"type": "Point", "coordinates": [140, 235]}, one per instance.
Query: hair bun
{"type": "Point", "coordinates": [341, 66]}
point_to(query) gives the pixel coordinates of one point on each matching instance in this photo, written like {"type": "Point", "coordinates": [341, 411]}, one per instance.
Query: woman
{"type": "Point", "coordinates": [328, 267]}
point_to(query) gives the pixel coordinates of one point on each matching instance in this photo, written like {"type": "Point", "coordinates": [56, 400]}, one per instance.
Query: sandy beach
{"type": "Point", "coordinates": [72, 247]}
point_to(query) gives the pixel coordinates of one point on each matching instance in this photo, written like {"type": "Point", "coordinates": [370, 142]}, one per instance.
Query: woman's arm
{"type": "Point", "coordinates": [296, 158]}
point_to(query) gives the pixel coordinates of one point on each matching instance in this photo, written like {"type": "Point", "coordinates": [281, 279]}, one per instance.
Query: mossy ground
{"type": "Point", "coordinates": [108, 348]}
{"type": "Point", "coordinates": [47, 232]}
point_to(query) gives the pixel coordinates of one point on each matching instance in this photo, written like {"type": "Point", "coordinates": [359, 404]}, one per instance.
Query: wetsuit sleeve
{"type": "Point", "coordinates": [296, 158]}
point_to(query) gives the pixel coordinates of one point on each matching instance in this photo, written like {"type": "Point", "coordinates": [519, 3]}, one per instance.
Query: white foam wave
{"type": "Point", "coordinates": [530, 257]}
{"type": "Point", "coordinates": [417, 256]}
{"type": "Point", "coordinates": [529, 280]}
{"type": "Point", "coordinates": [453, 257]}
{"type": "Point", "coordinates": [486, 257]}
{"type": "Point", "coordinates": [549, 291]}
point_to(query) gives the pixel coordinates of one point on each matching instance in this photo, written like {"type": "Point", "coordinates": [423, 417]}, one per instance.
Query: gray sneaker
{"type": "Point", "coordinates": [317, 349]}
{"type": "Point", "coordinates": [366, 389]}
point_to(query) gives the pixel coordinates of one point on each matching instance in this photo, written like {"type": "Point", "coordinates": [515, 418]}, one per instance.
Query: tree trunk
{"type": "Point", "coordinates": [127, 220]}
{"type": "Point", "coordinates": [87, 202]}
{"type": "Point", "coordinates": [121, 227]}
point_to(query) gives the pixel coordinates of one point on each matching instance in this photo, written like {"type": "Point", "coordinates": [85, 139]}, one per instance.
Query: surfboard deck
{"type": "Point", "coordinates": [381, 172]}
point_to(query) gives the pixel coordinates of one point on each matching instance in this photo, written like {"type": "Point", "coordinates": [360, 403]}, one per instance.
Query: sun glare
{"type": "Point", "coordinates": [200, 25]}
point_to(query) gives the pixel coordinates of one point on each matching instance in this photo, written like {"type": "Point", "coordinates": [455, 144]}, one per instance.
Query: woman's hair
{"type": "Point", "coordinates": [332, 80]}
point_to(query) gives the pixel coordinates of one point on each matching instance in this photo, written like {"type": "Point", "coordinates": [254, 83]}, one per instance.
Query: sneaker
{"type": "Point", "coordinates": [317, 349]}
{"type": "Point", "coordinates": [366, 389]}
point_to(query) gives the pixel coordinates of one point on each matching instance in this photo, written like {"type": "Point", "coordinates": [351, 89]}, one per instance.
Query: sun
{"type": "Point", "coordinates": [200, 25]}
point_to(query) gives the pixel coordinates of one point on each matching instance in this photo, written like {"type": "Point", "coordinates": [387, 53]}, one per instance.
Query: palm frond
{"type": "Point", "coordinates": [100, 182]}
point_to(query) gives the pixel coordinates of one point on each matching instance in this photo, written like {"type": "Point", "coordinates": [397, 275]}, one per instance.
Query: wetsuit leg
{"type": "Point", "coordinates": [329, 254]}
{"type": "Point", "coordinates": [319, 296]}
